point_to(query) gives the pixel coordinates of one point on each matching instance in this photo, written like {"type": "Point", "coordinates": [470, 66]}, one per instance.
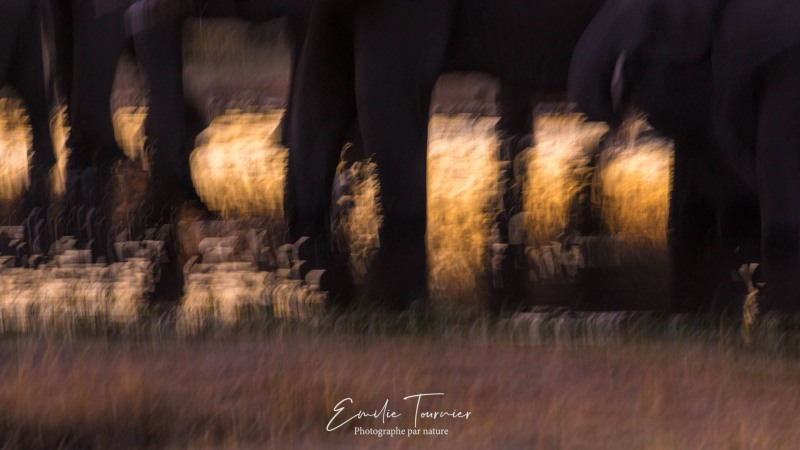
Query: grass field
{"type": "Point", "coordinates": [279, 390]}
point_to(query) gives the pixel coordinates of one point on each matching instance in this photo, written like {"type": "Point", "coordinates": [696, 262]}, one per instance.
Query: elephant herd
{"type": "Point", "coordinates": [719, 77]}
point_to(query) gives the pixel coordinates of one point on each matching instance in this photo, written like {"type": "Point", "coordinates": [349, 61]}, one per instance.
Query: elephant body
{"type": "Point", "coordinates": [719, 78]}
{"type": "Point", "coordinates": [378, 60]}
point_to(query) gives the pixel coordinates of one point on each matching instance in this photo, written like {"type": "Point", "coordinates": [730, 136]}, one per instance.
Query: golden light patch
{"type": "Point", "coordinates": [129, 131]}
{"type": "Point", "coordinates": [59, 130]}
{"type": "Point", "coordinates": [239, 170]}
{"type": "Point", "coordinates": [358, 225]}
{"type": "Point", "coordinates": [15, 140]}
{"type": "Point", "coordinates": [462, 189]}
{"type": "Point", "coordinates": [238, 167]}
{"type": "Point", "coordinates": [634, 181]}
{"type": "Point", "coordinates": [555, 170]}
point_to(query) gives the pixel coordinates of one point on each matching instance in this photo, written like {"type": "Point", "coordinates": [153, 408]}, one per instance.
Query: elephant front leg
{"type": "Point", "coordinates": [98, 45]}
{"type": "Point", "coordinates": [778, 171]}
{"type": "Point", "coordinates": [322, 111]}
{"type": "Point", "coordinates": [399, 49]}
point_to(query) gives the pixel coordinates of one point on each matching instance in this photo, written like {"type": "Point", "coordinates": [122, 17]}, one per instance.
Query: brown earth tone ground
{"type": "Point", "coordinates": [280, 390]}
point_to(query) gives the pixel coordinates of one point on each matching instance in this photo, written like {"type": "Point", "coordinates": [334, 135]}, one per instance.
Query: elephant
{"type": "Point", "coordinates": [158, 47]}
{"type": "Point", "coordinates": [92, 36]}
{"type": "Point", "coordinates": [25, 64]}
{"type": "Point", "coordinates": [719, 77]}
{"type": "Point", "coordinates": [377, 61]}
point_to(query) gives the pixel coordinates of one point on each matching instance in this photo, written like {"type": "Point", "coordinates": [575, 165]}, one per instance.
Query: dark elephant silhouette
{"type": "Point", "coordinates": [378, 60]}
{"type": "Point", "coordinates": [25, 28]}
{"type": "Point", "coordinates": [92, 37]}
{"type": "Point", "coordinates": [720, 78]}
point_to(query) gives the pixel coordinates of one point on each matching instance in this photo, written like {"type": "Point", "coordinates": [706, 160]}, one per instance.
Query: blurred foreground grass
{"type": "Point", "coordinates": [279, 391]}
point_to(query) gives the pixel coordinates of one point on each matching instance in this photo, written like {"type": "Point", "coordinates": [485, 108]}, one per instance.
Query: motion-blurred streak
{"type": "Point", "coordinates": [239, 166]}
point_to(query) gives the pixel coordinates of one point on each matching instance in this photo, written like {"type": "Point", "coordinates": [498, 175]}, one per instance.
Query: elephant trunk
{"type": "Point", "coordinates": [597, 81]}
{"type": "Point", "coordinates": [594, 84]}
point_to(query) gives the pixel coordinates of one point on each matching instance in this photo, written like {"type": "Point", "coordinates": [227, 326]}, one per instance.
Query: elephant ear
{"type": "Point", "coordinates": [681, 32]}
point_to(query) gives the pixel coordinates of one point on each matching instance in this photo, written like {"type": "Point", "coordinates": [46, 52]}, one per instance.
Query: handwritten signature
{"type": "Point", "coordinates": [385, 413]}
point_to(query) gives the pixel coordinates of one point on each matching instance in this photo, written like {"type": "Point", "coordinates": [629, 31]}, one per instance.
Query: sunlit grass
{"type": "Point", "coordinates": [129, 131]}
{"type": "Point", "coordinates": [462, 185]}
{"type": "Point", "coordinates": [634, 180]}
{"type": "Point", "coordinates": [238, 167]}
{"type": "Point", "coordinates": [15, 140]}
{"type": "Point", "coordinates": [556, 169]}
{"type": "Point", "coordinates": [58, 297]}
{"type": "Point", "coordinates": [360, 217]}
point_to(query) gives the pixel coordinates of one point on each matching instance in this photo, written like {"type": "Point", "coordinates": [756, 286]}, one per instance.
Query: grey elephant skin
{"type": "Point", "coordinates": [378, 60]}
{"type": "Point", "coordinates": [719, 77]}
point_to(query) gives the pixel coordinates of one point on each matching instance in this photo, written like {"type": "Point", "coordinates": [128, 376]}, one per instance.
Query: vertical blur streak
{"type": "Point", "coordinates": [129, 131]}
{"type": "Point", "coordinates": [15, 140]}
{"type": "Point", "coordinates": [555, 170]}
{"type": "Point", "coordinates": [463, 176]}
{"type": "Point", "coordinates": [358, 216]}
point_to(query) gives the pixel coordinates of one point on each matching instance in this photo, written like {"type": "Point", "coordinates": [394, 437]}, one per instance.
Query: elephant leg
{"type": "Point", "coordinates": [99, 40]}
{"type": "Point", "coordinates": [691, 226]}
{"type": "Point", "coordinates": [777, 166]}
{"type": "Point", "coordinates": [399, 53]}
{"type": "Point", "coordinates": [515, 129]}
{"type": "Point", "coordinates": [63, 41]}
{"type": "Point", "coordinates": [298, 27]}
{"type": "Point", "coordinates": [323, 110]}
{"type": "Point", "coordinates": [158, 50]}
{"type": "Point", "coordinates": [23, 67]}
{"type": "Point", "coordinates": [98, 46]}
{"type": "Point", "coordinates": [28, 76]}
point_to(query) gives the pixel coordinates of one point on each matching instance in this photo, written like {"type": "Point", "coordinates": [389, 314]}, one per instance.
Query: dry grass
{"type": "Point", "coordinates": [15, 140]}
{"type": "Point", "coordinates": [238, 167]}
{"type": "Point", "coordinates": [634, 180]}
{"type": "Point", "coordinates": [555, 170]}
{"type": "Point", "coordinates": [462, 183]}
{"type": "Point", "coordinates": [129, 131]}
{"type": "Point", "coordinates": [280, 393]}
{"type": "Point", "coordinates": [16, 143]}
{"type": "Point", "coordinates": [357, 227]}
